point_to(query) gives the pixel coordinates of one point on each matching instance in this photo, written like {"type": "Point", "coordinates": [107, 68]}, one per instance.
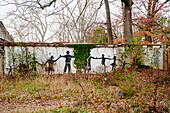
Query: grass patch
{"type": "Point", "coordinates": [80, 93]}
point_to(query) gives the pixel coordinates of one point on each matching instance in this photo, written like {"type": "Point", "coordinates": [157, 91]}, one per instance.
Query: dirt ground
{"type": "Point", "coordinates": [98, 91]}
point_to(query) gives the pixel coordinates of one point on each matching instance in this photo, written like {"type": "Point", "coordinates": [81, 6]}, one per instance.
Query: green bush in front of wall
{"type": "Point", "coordinates": [81, 53]}
{"type": "Point", "coordinates": [135, 52]}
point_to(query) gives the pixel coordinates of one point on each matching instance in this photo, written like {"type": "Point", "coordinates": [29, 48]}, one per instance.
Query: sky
{"type": "Point", "coordinates": [6, 10]}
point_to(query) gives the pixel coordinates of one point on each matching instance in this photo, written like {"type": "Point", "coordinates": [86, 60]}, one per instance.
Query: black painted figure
{"type": "Point", "coordinates": [88, 65]}
{"type": "Point", "coordinates": [67, 61]}
{"type": "Point", "coordinates": [114, 63]}
{"type": "Point", "coordinates": [10, 70]}
{"type": "Point", "coordinates": [22, 68]}
{"type": "Point", "coordinates": [33, 64]}
{"type": "Point", "coordinates": [50, 62]}
{"type": "Point", "coordinates": [29, 55]}
{"type": "Point", "coordinates": [103, 61]}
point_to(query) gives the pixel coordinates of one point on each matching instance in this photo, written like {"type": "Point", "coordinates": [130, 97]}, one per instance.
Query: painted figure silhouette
{"type": "Point", "coordinates": [103, 61]}
{"type": "Point", "coordinates": [10, 70]}
{"type": "Point", "coordinates": [114, 63]}
{"type": "Point", "coordinates": [88, 65]}
{"type": "Point", "coordinates": [33, 64]}
{"type": "Point", "coordinates": [67, 61]}
{"type": "Point", "coordinates": [50, 62]}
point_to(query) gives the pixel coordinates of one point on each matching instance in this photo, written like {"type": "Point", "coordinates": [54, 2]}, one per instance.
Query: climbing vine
{"type": "Point", "coordinates": [81, 53]}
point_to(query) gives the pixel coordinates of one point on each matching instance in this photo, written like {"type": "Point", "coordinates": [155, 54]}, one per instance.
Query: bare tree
{"type": "Point", "coordinates": [109, 28]}
{"type": "Point", "coordinates": [79, 19]}
{"type": "Point", "coordinates": [67, 22]}
{"type": "Point", "coordinates": [32, 22]}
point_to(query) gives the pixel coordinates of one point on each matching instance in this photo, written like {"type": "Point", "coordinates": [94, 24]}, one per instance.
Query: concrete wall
{"type": "Point", "coordinates": [155, 56]}
{"type": "Point", "coordinates": [44, 53]}
{"type": "Point", "coordinates": [96, 65]}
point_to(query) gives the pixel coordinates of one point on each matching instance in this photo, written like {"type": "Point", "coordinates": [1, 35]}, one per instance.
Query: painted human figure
{"type": "Point", "coordinates": [103, 61]}
{"type": "Point", "coordinates": [22, 68]}
{"type": "Point", "coordinates": [50, 62]}
{"type": "Point", "coordinates": [114, 63]}
{"type": "Point", "coordinates": [67, 61]}
{"type": "Point", "coordinates": [88, 65]}
{"type": "Point", "coordinates": [33, 64]}
{"type": "Point", "coordinates": [10, 70]}
{"type": "Point", "coordinates": [29, 55]}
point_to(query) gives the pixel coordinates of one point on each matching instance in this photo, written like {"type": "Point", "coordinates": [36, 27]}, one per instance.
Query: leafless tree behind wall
{"type": "Point", "coordinates": [56, 20]}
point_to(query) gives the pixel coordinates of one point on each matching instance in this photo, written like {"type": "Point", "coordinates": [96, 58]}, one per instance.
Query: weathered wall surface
{"type": "Point", "coordinates": [1, 71]}
{"type": "Point", "coordinates": [44, 53]}
{"type": "Point", "coordinates": [41, 54]}
{"type": "Point", "coordinates": [154, 57]}
{"type": "Point", "coordinates": [96, 63]}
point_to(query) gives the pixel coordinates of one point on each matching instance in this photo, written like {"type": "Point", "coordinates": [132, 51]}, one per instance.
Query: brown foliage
{"type": "Point", "coordinates": [146, 14]}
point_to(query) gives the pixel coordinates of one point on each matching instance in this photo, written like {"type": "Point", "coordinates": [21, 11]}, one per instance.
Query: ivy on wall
{"type": "Point", "coordinates": [81, 53]}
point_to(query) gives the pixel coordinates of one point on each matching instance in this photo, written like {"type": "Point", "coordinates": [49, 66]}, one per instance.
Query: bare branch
{"type": "Point", "coordinates": [82, 11]}
{"type": "Point", "coordinates": [46, 5]}
{"type": "Point", "coordinates": [161, 6]}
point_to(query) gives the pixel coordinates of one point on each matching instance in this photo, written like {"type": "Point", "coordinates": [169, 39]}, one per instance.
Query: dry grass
{"type": "Point", "coordinates": [90, 93]}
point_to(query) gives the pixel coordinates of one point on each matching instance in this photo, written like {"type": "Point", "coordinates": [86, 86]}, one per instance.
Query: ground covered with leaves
{"type": "Point", "coordinates": [119, 91]}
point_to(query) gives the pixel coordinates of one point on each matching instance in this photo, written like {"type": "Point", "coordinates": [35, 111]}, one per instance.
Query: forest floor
{"type": "Point", "coordinates": [142, 91]}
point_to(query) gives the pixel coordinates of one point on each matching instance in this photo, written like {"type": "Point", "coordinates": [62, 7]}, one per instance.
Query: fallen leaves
{"type": "Point", "coordinates": [43, 93]}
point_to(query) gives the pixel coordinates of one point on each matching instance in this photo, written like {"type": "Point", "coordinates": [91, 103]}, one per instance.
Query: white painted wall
{"type": "Point", "coordinates": [43, 53]}
{"type": "Point", "coordinates": [154, 56]}
{"type": "Point", "coordinates": [96, 63]}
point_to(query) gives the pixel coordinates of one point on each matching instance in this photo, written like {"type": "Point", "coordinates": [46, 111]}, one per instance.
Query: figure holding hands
{"type": "Point", "coordinates": [103, 61]}
{"type": "Point", "coordinates": [114, 63]}
{"type": "Point", "coordinates": [33, 64]}
{"type": "Point", "coordinates": [88, 65]}
{"type": "Point", "coordinates": [67, 61]}
{"type": "Point", "coordinates": [50, 62]}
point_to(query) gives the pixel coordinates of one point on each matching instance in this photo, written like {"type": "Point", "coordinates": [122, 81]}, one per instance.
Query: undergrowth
{"type": "Point", "coordinates": [81, 93]}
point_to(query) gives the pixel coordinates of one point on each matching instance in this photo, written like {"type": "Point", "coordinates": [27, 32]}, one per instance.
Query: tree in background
{"type": "Point", "coordinates": [127, 18]}
{"type": "Point", "coordinates": [74, 20]}
{"type": "Point", "coordinates": [99, 35]}
{"type": "Point", "coordinates": [29, 25]}
{"type": "Point", "coordinates": [79, 19]}
{"type": "Point", "coordinates": [108, 22]}
{"type": "Point", "coordinates": [67, 22]}
{"type": "Point", "coordinates": [164, 28]}
{"type": "Point", "coordinates": [146, 15]}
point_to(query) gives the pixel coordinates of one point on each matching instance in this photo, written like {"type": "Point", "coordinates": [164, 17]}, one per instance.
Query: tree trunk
{"type": "Point", "coordinates": [108, 21]}
{"type": "Point", "coordinates": [127, 15]}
